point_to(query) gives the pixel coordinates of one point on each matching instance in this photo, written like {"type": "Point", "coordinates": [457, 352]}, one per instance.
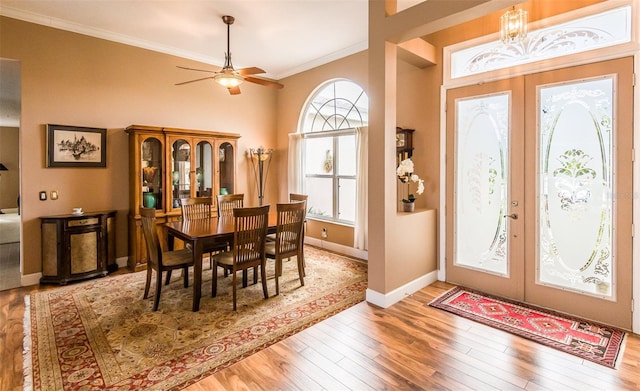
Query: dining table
{"type": "Point", "coordinates": [202, 234]}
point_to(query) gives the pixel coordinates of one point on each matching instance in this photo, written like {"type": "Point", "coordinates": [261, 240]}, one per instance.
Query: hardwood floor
{"type": "Point", "coordinates": [9, 265]}
{"type": "Point", "coordinates": [408, 346]}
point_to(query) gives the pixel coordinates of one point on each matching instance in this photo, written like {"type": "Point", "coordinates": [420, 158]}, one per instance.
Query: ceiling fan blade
{"type": "Point", "coordinates": [234, 90]}
{"type": "Point", "coordinates": [264, 82]}
{"type": "Point", "coordinates": [193, 81]}
{"type": "Point", "coordinates": [194, 69]}
{"type": "Point", "coordinates": [249, 71]}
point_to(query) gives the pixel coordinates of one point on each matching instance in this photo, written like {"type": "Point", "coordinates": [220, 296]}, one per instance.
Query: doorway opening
{"type": "Point", "coordinates": [10, 220]}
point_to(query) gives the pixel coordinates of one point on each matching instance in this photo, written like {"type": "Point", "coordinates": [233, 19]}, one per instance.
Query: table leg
{"type": "Point", "coordinates": [197, 274]}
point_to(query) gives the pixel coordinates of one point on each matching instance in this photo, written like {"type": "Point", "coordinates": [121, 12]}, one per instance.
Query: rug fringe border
{"type": "Point", "coordinates": [27, 359]}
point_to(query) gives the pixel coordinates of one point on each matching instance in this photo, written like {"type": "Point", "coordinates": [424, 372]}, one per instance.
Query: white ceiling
{"type": "Point", "coordinates": [283, 37]}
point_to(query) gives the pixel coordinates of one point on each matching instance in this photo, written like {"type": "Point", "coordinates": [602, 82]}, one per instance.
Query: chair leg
{"type": "Point", "coordinates": [185, 275]}
{"type": "Point", "coordinates": [301, 268]}
{"type": "Point", "coordinates": [263, 276]}
{"type": "Point", "coordinates": [304, 228]}
{"type": "Point", "coordinates": [234, 291]}
{"type": "Point", "coordinates": [148, 283]}
{"type": "Point", "coordinates": [214, 279]}
{"type": "Point", "coordinates": [158, 289]}
{"type": "Point", "coordinates": [278, 273]}
{"type": "Point", "coordinates": [245, 279]}
{"type": "Point", "coordinates": [255, 275]}
{"type": "Point", "coordinates": [168, 278]}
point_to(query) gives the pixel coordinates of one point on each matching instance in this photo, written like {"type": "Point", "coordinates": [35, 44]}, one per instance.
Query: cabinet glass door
{"type": "Point", "coordinates": [204, 169]}
{"type": "Point", "coordinates": [151, 156]}
{"type": "Point", "coordinates": [226, 158]}
{"type": "Point", "coordinates": [181, 171]}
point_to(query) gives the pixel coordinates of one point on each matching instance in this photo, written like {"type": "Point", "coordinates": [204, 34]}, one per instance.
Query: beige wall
{"type": "Point", "coordinates": [9, 180]}
{"type": "Point", "coordinates": [71, 79]}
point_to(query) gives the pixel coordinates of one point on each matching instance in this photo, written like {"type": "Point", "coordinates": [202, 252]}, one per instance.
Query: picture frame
{"type": "Point", "coordinates": [76, 146]}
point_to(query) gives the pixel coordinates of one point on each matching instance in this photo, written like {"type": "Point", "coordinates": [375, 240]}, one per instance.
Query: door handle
{"type": "Point", "coordinates": [512, 216]}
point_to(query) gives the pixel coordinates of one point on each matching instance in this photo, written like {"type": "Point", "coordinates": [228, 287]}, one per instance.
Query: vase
{"type": "Point", "coordinates": [148, 200]}
{"type": "Point", "coordinates": [408, 206]}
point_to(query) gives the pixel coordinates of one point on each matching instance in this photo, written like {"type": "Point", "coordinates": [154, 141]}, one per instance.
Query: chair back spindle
{"type": "Point", "coordinates": [228, 202]}
{"type": "Point", "coordinates": [196, 208]}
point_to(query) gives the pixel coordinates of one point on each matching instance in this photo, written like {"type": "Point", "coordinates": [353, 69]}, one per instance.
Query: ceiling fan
{"type": "Point", "coordinates": [229, 77]}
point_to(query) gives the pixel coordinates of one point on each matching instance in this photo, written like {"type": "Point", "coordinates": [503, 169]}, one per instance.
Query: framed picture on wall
{"type": "Point", "coordinates": [76, 146]}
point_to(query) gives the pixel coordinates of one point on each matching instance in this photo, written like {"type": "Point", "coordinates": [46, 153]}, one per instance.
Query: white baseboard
{"type": "Point", "coordinates": [339, 248]}
{"type": "Point", "coordinates": [122, 261]}
{"type": "Point", "coordinates": [387, 300]}
{"type": "Point", "coordinates": [30, 279]}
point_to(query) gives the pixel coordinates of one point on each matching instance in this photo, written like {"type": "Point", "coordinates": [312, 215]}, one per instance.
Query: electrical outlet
{"type": "Point", "coordinates": [53, 195]}
{"type": "Point", "coordinates": [43, 196]}
{"type": "Point", "coordinates": [324, 233]}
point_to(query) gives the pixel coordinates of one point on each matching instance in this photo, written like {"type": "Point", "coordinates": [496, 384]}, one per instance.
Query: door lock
{"type": "Point", "coordinates": [512, 216]}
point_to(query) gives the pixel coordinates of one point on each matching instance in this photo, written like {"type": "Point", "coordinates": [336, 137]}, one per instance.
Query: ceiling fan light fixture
{"type": "Point", "coordinates": [228, 80]}
{"type": "Point", "coordinates": [513, 26]}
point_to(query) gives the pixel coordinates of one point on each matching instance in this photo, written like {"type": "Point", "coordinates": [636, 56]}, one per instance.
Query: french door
{"type": "Point", "coordinates": [539, 189]}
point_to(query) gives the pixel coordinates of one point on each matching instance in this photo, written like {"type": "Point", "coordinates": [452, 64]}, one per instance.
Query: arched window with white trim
{"type": "Point", "coordinates": [328, 126]}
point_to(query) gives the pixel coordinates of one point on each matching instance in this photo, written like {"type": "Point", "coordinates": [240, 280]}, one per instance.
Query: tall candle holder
{"type": "Point", "coordinates": [258, 158]}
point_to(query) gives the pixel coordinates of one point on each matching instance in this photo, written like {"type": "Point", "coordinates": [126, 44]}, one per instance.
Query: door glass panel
{"type": "Point", "coordinates": [204, 172]}
{"type": "Point", "coordinates": [481, 182]}
{"type": "Point", "coordinates": [575, 186]}
{"type": "Point", "coordinates": [181, 171]}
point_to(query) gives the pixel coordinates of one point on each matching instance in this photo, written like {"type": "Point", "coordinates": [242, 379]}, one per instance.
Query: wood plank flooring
{"type": "Point", "coordinates": [9, 265]}
{"type": "Point", "coordinates": [408, 346]}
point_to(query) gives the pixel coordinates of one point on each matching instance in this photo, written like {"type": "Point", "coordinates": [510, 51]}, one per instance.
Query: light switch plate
{"type": "Point", "coordinates": [54, 194]}
{"type": "Point", "coordinates": [43, 196]}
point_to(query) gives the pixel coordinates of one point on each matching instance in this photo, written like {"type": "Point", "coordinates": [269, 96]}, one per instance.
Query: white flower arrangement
{"type": "Point", "coordinates": [406, 175]}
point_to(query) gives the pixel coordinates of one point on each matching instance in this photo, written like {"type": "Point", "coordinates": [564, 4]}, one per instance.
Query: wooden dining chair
{"type": "Point", "coordinates": [301, 197]}
{"type": "Point", "coordinates": [296, 197]}
{"type": "Point", "coordinates": [288, 243]}
{"type": "Point", "coordinates": [247, 250]}
{"type": "Point", "coordinates": [228, 202]}
{"type": "Point", "coordinates": [225, 205]}
{"type": "Point", "coordinates": [160, 260]}
{"type": "Point", "coordinates": [196, 208]}
{"type": "Point", "coordinates": [200, 208]}
{"type": "Point", "coordinates": [292, 197]}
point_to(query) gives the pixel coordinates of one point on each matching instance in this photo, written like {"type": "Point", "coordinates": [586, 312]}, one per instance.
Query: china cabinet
{"type": "Point", "coordinates": [77, 247]}
{"type": "Point", "coordinates": [167, 164]}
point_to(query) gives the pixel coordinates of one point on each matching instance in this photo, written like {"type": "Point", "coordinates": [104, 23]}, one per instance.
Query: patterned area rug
{"type": "Point", "coordinates": [101, 334]}
{"type": "Point", "coordinates": [587, 340]}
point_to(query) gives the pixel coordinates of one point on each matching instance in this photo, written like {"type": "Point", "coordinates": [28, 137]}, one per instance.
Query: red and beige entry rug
{"type": "Point", "coordinates": [587, 340]}
{"type": "Point", "coordinates": [101, 334]}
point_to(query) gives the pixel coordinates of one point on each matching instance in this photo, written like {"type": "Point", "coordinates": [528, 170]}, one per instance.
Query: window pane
{"type": "Point", "coordinates": [319, 156]}
{"type": "Point", "coordinates": [347, 155]}
{"type": "Point", "coordinates": [347, 200]}
{"type": "Point", "coordinates": [320, 191]}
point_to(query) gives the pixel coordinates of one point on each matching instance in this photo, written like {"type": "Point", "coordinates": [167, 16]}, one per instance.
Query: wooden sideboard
{"type": "Point", "coordinates": [77, 247]}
